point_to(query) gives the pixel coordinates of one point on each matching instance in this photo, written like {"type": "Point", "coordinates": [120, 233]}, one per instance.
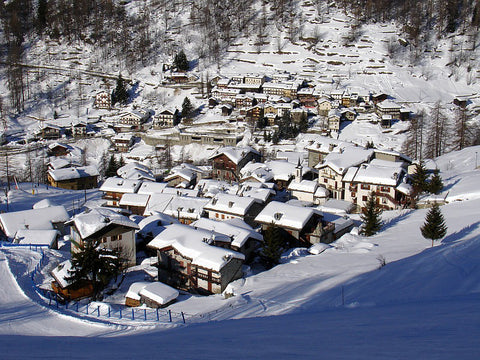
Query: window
{"type": "Point", "coordinates": [365, 186]}
{"type": "Point", "coordinates": [384, 201]}
{"type": "Point", "coordinates": [223, 216]}
{"type": "Point", "coordinates": [385, 189]}
{"type": "Point", "coordinates": [364, 198]}
{"type": "Point", "coordinates": [216, 215]}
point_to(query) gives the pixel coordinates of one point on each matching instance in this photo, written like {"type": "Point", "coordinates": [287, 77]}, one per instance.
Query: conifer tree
{"type": "Point", "coordinates": [272, 248]}
{"type": "Point", "coordinates": [419, 178]}
{"type": "Point", "coordinates": [371, 216]}
{"type": "Point", "coordinates": [181, 62]}
{"type": "Point", "coordinates": [436, 183]}
{"type": "Point", "coordinates": [93, 263]}
{"type": "Point", "coordinates": [112, 167]}
{"type": "Point", "coordinates": [434, 227]}
{"type": "Point", "coordinates": [120, 94]}
{"type": "Point", "coordinates": [187, 108]}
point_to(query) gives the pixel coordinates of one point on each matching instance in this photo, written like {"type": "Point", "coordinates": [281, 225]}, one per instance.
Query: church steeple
{"type": "Point", "coordinates": [298, 172]}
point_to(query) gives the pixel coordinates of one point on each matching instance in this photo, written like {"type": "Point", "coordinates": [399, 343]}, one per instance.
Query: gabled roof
{"type": "Point", "coordinates": [150, 187]}
{"type": "Point", "coordinates": [134, 200]}
{"type": "Point", "coordinates": [235, 154]}
{"type": "Point", "coordinates": [73, 173]}
{"type": "Point", "coordinates": [194, 244]}
{"type": "Point", "coordinates": [116, 184]}
{"type": "Point", "coordinates": [36, 237]}
{"type": "Point", "coordinates": [285, 215]}
{"type": "Point", "coordinates": [91, 222]}
{"type": "Point", "coordinates": [380, 172]}
{"type": "Point", "coordinates": [239, 234]}
{"type": "Point", "coordinates": [232, 204]}
{"type": "Point", "coordinates": [306, 186]}
{"type": "Point", "coordinates": [341, 160]}
{"type": "Point", "coordinates": [33, 219]}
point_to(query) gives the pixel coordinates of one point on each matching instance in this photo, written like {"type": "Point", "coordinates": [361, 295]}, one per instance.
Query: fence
{"type": "Point", "coordinates": [108, 312]}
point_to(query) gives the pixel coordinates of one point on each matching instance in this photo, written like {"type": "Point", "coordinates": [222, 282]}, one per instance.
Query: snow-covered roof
{"type": "Point", "coordinates": [341, 161]}
{"type": "Point", "coordinates": [233, 204]}
{"type": "Point", "coordinates": [380, 172]}
{"type": "Point", "coordinates": [116, 184]}
{"type": "Point", "coordinates": [193, 243]}
{"type": "Point", "coordinates": [134, 199]}
{"type": "Point", "coordinates": [186, 207]}
{"type": "Point", "coordinates": [60, 273]}
{"type": "Point", "coordinates": [158, 203]}
{"type": "Point", "coordinates": [307, 186]}
{"type": "Point", "coordinates": [181, 192]}
{"type": "Point", "coordinates": [90, 222]}
{"type": "Point", "coordinates": [239, 234]}
{"type": "Point", "coordinates": [186, 174]}
{"type": "Point", "coordinates": [150, 187]}
{"type": "Point", "coordinates": [136, 171]}
{"type": "Point", "coordinates": [159, 293]}
{"type": "Point", "coordinates": [260, 193]}
{"type": "Point", "coordinates": [156, 223]}
{"type": "Point", "coordinates": [281, 169]}
{"type": "Point", "coordinates": [44, 203]}
{"type": "Point", "coordinates": [290, 216]}
{"type": "Point", "coordinates": [73, 173]}
{"type": "Point", "coordinates": [36, 237]}
{"type": "Point", "coordinates": [135, 288]}
{"type": "Point", "coordinates": [335, 206]}
{"type": "Point", "coordinates": [210, 187]}
{"type": "Point", "coordinates": [34, 219]}
{"type": "Point", "coordinates": [235, 154]}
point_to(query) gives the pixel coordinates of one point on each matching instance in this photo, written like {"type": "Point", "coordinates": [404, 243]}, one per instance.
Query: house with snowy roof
{"type": "Point", "coordinates": [181, 177]}
{"type": "Point", "coordinates": [37, 237]}
{"type": "Point", "coordinates": [334, 117]}
{"type": "Point", "coordinates": [209, 188]}
{"type": "Point", "coordinates": [388, 107]}
{"type": "Point", "coordinates": [150, 187]}
{"type": "Point", "coordinates": [188, 261]}
{"type": "Point", "coordinates": [114, 187]}
{"type": "Point", "coordinates": [134, 203]}
{"type": "Point", "coordinates": [136, 171]}
{"type": "Point", "coordinates": [64, 287]}
{"type": "Point", "coordinates": [307, 190]}
{"type": "Point", "coordinates": [49, 132]}
{"type": "Point", "coordinates": [261, 191]}
{"type": "Point", "coordinates": [111, 229]}
{"type": "Point", "coordinates": [74, 178]}
{"type": "Point", "coordinates": [186, 209]}
{"type": "Point", "coordinates": [228, 161]}
{"type": "Point", "coordinates": [302, 225]}
{"type": "Point", "coordinates": [227, 206]}
{"type": "Point", "coordinates": [324, 106]}
{"type": "Point", "coordinates": [243, 238]}
{"type": "Point", "coordinates": [336, 165]}
{"type": "Point", "coordinates": [319, 148]}
{"type": "Point", "coordinates": [135, 118]}
{"type": "Point", "coordinates": [43, 218]}
{"type": "Point", "coordinates": [165, 118]}
{"type": "Point", "coordinates": [123, 141]}
{"type": "Point", "coordinates": [386, 179]}
{"type": "Point", "coordinates": [58, 149]}
{"type": "Point", "coordinates": [152, 294]}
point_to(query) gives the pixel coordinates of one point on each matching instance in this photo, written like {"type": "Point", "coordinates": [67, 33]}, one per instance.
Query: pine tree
{"type": "Point", "coordinates": [434, 227]}
{"type": "Point", "coordinates": [272, 248]}
{"type": "Point", "coordinates": [436, 183]}
{"type": "Point", "coordinates": [419, 178]}
{"type": "Point", "coordinates": [371, 216]}
{"type": "Point", "coordinates": [93, 263]}
{"type": "Point", "coordinates": [187, 109]}
{"type": "Point", "coordinates": [120, 94]}
{"type": "Point", "coordinates": [112, 167]}
{"type": "Point", "coordinates": [181, 62]}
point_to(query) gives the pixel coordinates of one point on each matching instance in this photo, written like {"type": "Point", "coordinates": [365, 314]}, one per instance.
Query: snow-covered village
{"type": "Point", "coordinates": [250, 179]}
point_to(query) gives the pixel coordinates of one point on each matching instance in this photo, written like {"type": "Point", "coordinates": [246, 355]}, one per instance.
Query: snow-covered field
{"type": "Point", "coordinates": [338, 304]}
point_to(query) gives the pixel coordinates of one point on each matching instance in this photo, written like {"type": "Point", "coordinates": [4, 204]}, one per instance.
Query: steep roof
{"type": "Point", "coordinates": [34, 219]}
{"type": "Point", "coordinates": [193, 243]}
{"type": "Point", "coordinates": [239, 234]}
{"type": "Point", "coordinates": [235, 154]}
{"type": "Point", "coordinates": [290, 216]}
{"type": "Point", "coordinates": [91, 222]}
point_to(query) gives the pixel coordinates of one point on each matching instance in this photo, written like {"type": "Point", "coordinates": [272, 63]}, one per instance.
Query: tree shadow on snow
{"type": "Point", "coordinates": [457, 235]}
